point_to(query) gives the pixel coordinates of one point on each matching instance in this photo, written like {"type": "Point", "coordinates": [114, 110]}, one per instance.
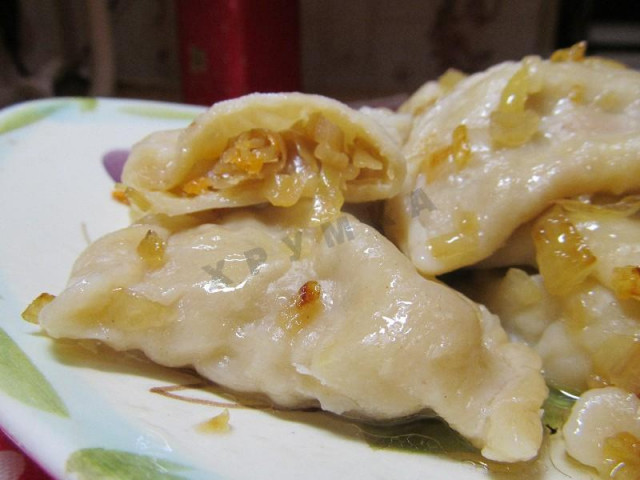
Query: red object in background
{"type": "Point", "coordinates": [229, 48]}
{"type": "Point", "coordinates": [15, 465]}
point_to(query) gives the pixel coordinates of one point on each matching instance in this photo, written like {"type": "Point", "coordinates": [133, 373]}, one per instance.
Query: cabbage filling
{"type": "Point", "coordinates": [311, 159]}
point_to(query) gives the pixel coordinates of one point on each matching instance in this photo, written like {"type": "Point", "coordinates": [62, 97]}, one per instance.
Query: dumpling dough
{"type": "Point", "coordinates": [426, 96]}
{"type": "Point", "coordinates": [582, 312]}
{"type": "Point", "coordinates": [266, 148]}
{"type": "Point", "coordinates": [397, 125]}
{"type": "Point", "coordinates": [332, 316]}
{"type": "Point", "coordinates": [599, 417]}
{"type": "Point", "coordinates": [584, 338]}
{"type": "Point", "coordinates": [493, 153]}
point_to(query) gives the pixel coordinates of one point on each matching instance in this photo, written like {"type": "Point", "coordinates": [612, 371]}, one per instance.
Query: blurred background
{"type": "Point", "coordinates": [202, 51]}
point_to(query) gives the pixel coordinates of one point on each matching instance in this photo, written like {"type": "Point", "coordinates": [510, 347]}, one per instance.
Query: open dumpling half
{"type": "Point", "coordinates": [266, 148]}
{"type": "Point", "coordinates": [502, 145]}
{"type": "Point", "coordinates": [334, 317]}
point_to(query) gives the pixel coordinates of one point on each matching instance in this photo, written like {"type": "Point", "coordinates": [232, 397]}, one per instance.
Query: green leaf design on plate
{"type": "Point", "coordinates": [103, 464]}
{"type": "Point", "coordinates": [20, 379]}
{"type": "Point", "coordinates": [87, 104]}
{"type": "Point", "coordinates": [154, 111]}
{"type": "Point", "coordinates": [27, 115]}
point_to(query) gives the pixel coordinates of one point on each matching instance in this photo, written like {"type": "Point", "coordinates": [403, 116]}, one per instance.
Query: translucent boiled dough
{"type": "Point", "coordinates": [502, 145]}
{"type": "Point", "coordinates": [334, 317]}
{"type": "Point", "coordinates": [266, 148]}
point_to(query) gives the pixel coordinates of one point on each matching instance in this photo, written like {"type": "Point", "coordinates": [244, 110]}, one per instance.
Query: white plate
{"type": "Point", "coordinates": [92, 414]}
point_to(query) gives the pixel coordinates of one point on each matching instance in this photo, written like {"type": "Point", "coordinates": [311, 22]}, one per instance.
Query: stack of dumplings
{"type": "Point", "coordinates": [287, 245]}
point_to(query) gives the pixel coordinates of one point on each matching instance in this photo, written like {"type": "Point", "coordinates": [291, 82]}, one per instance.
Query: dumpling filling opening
{"type": "Point", "coordinates": [311, 159]}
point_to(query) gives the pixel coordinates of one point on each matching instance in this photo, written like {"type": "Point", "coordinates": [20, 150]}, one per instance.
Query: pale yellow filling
{"type": "Point", "coordinates": [311, 159]}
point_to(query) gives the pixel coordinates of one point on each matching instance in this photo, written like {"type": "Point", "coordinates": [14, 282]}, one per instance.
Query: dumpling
{"type": "Point", "coordinates": [614, 238]}
{"type": "Point", "coordinates": [397, 125]}
{"type": "Point", "coordinates": [517, 250]}
{"type": "Point", "coordinates": [603, 431]}
{"type": "Point", "coordinates": [582, 312]}
{"type": "Point", "coordinates": [266, 148]}
{"type": "Point", "coordinates": [334, 317]}
{"type": "Point", "coordinates": [426, 96]}
{"type": "Point", "coordinates": [585, 339]}
{"type": "Point", "coordinates": [576, 239]}
{"type": "Point", "coordinates": [496, 151]}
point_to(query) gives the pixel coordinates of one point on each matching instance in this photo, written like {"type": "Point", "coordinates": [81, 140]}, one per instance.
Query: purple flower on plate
{"type": "Point", "coordinates": [113, 162]}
